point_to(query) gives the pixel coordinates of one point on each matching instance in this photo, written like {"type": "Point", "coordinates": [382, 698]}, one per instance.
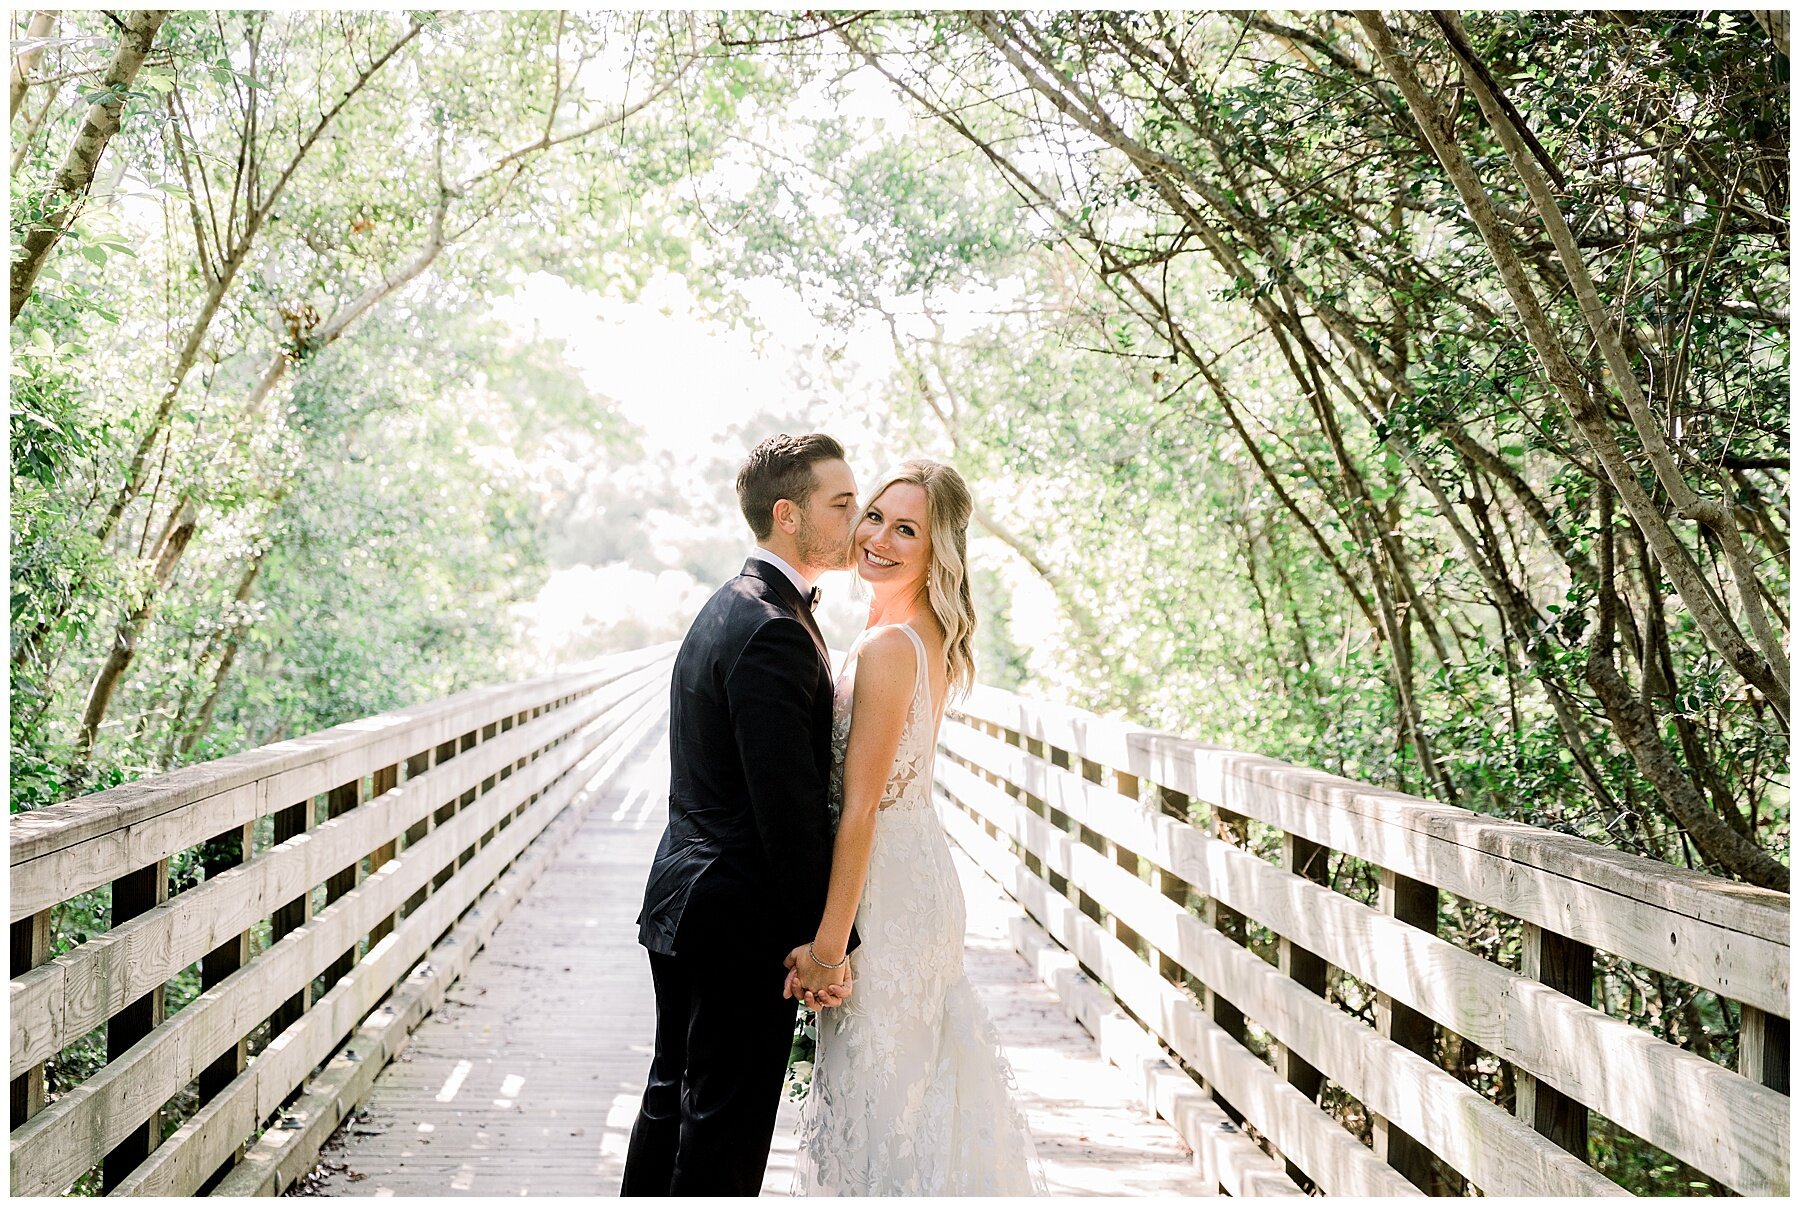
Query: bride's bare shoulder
{"type": "Point", "coordinates": [885, 659]}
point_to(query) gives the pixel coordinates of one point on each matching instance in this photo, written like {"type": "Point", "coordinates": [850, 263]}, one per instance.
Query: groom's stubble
{"type": "Point", "coordinates": [822, 536]}
{"type": "Point", "coordinates": [820, 548]}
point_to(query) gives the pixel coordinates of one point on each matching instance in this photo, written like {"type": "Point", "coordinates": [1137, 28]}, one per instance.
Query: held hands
{"type": "Point", "coordinates": [813, 983]}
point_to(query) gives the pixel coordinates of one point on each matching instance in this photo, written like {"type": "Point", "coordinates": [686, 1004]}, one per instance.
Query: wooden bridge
{"type": "Point", "coordinates": [387, 916]}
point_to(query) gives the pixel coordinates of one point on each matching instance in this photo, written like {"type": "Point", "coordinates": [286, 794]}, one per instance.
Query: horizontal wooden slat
{"type": "Point", "coordinates": [1611, 1066]}
{"type": "Point", "coordinates": [54, 1147]}
{"type": "Point", "coordinates": [208, 1139]}
{"type": "Point", "coordinates": [1730, 938]}
{"type": "Point", "coordinates": [1311, 1138]}
{"type": "Point", "coordinates": [1478, 1139]}
{"type": "Point", "coordinates": [333, 756]}
{"type": "Point", "coordinates": [57, 1003]}
{"type": "Point", "coordinates": [1228, 1157]}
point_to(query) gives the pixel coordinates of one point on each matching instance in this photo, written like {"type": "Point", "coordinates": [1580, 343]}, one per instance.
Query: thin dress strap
{"type": "Point", "coordinates": [923, 681]}
{"type": "Point", "coordinates": [927, 714]}
{"type": "Point", "coordinates": [924, 670]}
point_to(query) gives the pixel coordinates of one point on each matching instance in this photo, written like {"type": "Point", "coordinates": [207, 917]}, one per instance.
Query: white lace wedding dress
{"type": "Point", "coordinates": [911, 1094]}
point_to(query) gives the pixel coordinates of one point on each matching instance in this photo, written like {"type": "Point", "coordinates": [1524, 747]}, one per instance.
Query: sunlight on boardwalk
{"type": "Point", "coordinates": [527, 1081]}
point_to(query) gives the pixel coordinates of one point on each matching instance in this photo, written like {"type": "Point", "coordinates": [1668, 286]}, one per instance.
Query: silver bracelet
{"type": "Point", "coordinates": [822, 963]}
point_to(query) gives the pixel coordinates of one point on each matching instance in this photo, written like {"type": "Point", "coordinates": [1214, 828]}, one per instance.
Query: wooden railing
{"type": "Point", "coordinates": [344, 880]}
{"type": "Point", "coordinates": [1195, 885]}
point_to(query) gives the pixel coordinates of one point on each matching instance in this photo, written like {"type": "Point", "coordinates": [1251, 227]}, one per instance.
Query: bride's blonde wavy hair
{"type": "Point", "coordinates": [948, 507]}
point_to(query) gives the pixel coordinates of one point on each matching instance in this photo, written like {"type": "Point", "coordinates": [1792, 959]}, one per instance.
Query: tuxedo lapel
{"type": "Point", "coordinates": [790, 596]}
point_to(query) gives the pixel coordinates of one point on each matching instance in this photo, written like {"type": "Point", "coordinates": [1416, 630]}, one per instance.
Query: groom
{"type": "Point", "coordinates": [740, 876]}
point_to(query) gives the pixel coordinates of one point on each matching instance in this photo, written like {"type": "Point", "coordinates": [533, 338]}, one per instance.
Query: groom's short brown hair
{"type": "Point", "coordinates": [781, 468]}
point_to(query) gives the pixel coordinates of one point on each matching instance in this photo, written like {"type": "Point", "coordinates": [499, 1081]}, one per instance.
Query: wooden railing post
{"type": "Point", "coordinates": [1307, 859]}
{"type": "Point", "coordinates": [386, 779]}
{"type": "Point", "coordinates": [417, 765]}
{"type": "Point", "coordinates": [132, 894]}
{"type": "Point", "coordinates": [30, 948]}
{"type": "Point", "coordinates": [1173, 804]}
{"type": "Point", "coordinates": [445, 752]}
{"type": "Point", "coordinates": [227, 850]}
{"type": "Point", "coordinates": [1062, 821]}
{"type": "Point", "coordinates": [518, 764]}
{"type": "Point", "coordinates": [1415, 903]}
{"type": "Point", "coordinates": [1126, 785]}
{"type": "Point", "coordinates": [488, 732]}
{"type": "Point", "coordinates": [1091, 772]}
{"type": "Point", "coordinates": [468, 798]}
{"type": "Point", "coordinates": [1013, 738]}
{"type": "Point", "coordinates": [1763, 1048]}
{"type": "Point", "coordinates": [295, 819]}
{"type": "Point", "coordinates": [339, 801]}
{"type": "Point", "coordinates": [1036, 805]}
{"type": "Point", "coordinates": [1233, 828]}
{"type": "Point", "coordinates": [1567, 967]}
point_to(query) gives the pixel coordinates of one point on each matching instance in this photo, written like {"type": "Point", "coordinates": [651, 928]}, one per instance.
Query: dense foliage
{"type": "Point", "coordinates": [1353, 479]}
{"type": "Point", "coordinates": [272, 468]}
{"type": "Point", "coordinates": [1404, 396]}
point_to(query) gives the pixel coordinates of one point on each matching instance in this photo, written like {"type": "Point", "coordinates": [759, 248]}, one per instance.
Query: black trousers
{"type": "Point", "coordinates": [723, 1032]}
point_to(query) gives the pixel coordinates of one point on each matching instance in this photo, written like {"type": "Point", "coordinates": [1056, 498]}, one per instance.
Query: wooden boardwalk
{"type": "Point", "coordinates": [527, 1080]}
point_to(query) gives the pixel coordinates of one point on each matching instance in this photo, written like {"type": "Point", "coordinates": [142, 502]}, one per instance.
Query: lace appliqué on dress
{"type": "Point", "coordinates": [911, 1092]}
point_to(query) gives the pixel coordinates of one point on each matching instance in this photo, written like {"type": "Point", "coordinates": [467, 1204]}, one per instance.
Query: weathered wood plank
{"type": "Point", "coordinates": [1615, 1068]}
{"type": "Point", "coordinates": [1411, 903]}
{"type": "Point", "coordinates": [1727, 937]}
{"type": "Point", "coordinates": [1474, 1136]}
{"type": "Point", "coordinates": [1227, 1157]}
{"type": "Point", "coordinates": [1333, 1157]}
{"type": "Point", "coordinates": [30, 949]}
{"type": "Point", "coordinates": [60, 1002]}
{"type": "Point", "coordinates": [1567, 967]}
{"type": "Point", "coordinates": [41, 831]}
{"type": "Point", "coordinates": [350, 1005]}
{"type": "Point", "coordinates": [51, 1146]}
{"type": "Point", "coordinates": [76, 867]}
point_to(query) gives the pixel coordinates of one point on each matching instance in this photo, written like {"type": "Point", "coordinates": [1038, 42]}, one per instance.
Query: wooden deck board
{"type": "Point", "coordinates": [527, 1080]}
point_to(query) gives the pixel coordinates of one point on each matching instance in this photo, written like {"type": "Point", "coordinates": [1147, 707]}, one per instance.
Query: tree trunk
{"type": "Point", "coordinates": [181, 526]}
{"type": "Point", "coordinates": [1716, 514]}
{"type": "Point", "coordinates": [137, 473]}
{"type": "Point", "coordinates": [1583, 408]}
{"type": "Point", "coordinates": [101, 123]}
{"type": "Point", "coordinates": [1776, 23]}
{"type": "Point", "coordinates": [42, 22]}
{"type": "Point", "coordinates": [124, 648]}
{"type": "Point", "coordinates": [1718, 842]}
{"type": "Point", "coordinates": [246, 587]}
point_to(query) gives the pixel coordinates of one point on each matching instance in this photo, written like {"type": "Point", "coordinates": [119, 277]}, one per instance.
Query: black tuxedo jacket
{"type": "Point", "coordinates": [745, 862]}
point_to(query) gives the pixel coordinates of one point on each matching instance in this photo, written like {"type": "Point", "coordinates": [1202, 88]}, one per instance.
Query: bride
{"type": "Point", "coordinates": [910, 1091]}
